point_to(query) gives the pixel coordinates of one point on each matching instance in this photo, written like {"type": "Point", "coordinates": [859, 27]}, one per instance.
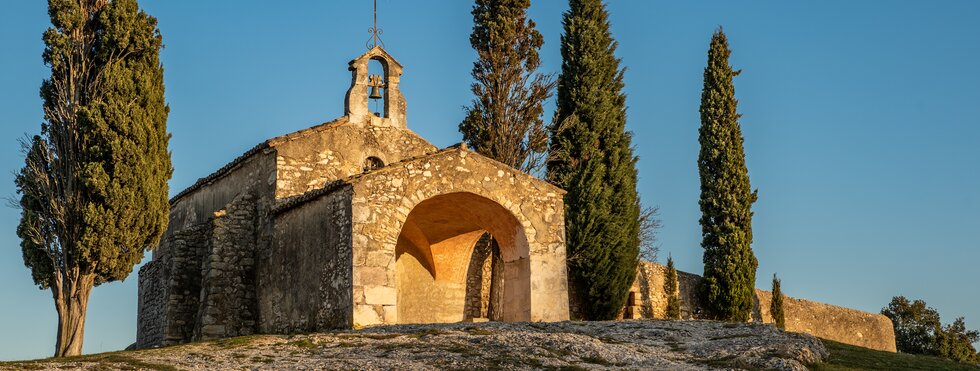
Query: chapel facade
{"type": "Point", "coordinates": [355, 222]}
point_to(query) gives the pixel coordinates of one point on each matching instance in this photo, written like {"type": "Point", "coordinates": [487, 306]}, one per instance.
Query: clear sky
{"type": "Point", "coordinates": [861, 123]}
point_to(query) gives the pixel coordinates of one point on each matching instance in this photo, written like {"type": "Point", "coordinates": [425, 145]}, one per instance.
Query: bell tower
{"type": "Point", "coordinates": [366, 87]}
{"type": "Point", "coordinates": [383, 87]}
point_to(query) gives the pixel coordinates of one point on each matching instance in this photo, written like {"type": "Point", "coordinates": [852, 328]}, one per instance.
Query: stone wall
{"type": "Point", "coordinates": [306, 283]}
{"type": "Point", "coordinates": [228, 273]}
{"type": "Point", "coordinates": [170, 287]}
{"type": "Point", "coordinates": [826, 321]}
{"type": "Point", "coordinates": [483, 277]}
{"type": "Point", "coordinates": [335, 151]}
{"type": "Point", "coordinates": [832, 322]}
{"type": "Point", "coordinates": [201, 285]}
{"type": "Point", "coordinates": [183, 293]}
{"type": "Point", "coordinates": [648, 299]}
{"type": "Point", "coordinates": [150, 305]}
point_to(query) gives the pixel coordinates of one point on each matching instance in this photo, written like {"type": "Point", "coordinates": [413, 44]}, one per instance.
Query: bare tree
{"type": "Point", "coordinates": [504, 121]}
{"type": "Point", "coordinates": [650, 223]}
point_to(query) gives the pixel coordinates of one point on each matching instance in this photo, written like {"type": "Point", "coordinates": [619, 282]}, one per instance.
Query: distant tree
{"type": "Point", "coordinates": [504, 120]}
{"type": "Point", "coordinates": [591, 157]}
{"type": "Point", "coordinates": [671, 288]}
{"type": "Point", "coordinates": [649, 224]}
{"type": "Point", "coordinates": [955, 342]}
{"type": "Point", "coordinates": [726, 195]}
{"type": "Point", "coordinates": [918, 330]}
{"type": "Point", "coordinates": [776, 305]}
{"type": "Point", "coordinates": [915, 325]}
{"type": "Point", "coordinates": [94, 186]}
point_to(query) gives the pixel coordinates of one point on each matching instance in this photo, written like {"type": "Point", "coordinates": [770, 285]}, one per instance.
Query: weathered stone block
{"type": "Point", "coordinates": [390, 314]}
{"type": "Point", "coordinates": [364, 276]}
{"type": "Point", "coordinates": [379, 258]}
{"type": "Point", "coordinates": [382, 295]}
{"type": "Point", "coordinates": [365, 315]}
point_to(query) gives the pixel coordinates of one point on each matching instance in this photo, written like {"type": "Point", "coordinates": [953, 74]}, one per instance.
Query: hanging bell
{"type": "Point", "coordinates": [375, 92]}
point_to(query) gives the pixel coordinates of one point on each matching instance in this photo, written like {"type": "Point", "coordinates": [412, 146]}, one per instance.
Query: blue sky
{"type": "Point", "coordinates": [861, 123]}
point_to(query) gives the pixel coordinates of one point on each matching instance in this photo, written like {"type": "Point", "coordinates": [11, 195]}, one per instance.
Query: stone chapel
{"type": "Point", "coordinates": [355, 222]}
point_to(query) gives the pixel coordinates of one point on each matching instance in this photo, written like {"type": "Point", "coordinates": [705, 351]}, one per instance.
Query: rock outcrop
{"type": "Point", "coordinates": [643, 344]}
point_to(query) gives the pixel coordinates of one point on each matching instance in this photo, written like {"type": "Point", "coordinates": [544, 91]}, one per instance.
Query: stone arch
{"type": "Point", "coordinates": [382, 201]}
{"type": "Point", "coordinates": [433, 251]}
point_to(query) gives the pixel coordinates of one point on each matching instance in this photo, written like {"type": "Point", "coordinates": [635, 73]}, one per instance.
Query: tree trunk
{"type": "Point", "coordinates": [71, 302]}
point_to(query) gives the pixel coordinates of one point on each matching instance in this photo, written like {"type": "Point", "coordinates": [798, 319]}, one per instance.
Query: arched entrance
{"type": "Point", "coordinates": [433, 255]}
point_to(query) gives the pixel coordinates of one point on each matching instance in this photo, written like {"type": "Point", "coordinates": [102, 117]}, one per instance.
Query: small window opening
{"type": "Point", "coordinates": [373, 163]}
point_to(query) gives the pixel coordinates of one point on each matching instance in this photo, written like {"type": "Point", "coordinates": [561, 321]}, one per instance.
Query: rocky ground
{"type": "Point", "coordinates": [662, 345]}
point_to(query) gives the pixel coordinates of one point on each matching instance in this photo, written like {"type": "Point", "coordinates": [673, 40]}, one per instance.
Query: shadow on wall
{"type": "Point", "coordinates": [648, 299]}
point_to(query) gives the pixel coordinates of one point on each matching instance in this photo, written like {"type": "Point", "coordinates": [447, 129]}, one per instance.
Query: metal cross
{"type": "Point", "coordinates": [375, 32]}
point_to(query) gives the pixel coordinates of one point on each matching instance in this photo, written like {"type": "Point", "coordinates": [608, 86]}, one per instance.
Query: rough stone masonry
{"type": "Point", "coordinates": [355, 222]}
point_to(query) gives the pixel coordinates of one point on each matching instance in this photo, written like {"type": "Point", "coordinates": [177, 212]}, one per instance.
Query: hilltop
{"type": "Point", "coordinates": [692, 345]}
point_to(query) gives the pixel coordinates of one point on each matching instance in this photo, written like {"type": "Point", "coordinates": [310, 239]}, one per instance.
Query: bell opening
{"type": "Point", "coordinates": [377, 91]}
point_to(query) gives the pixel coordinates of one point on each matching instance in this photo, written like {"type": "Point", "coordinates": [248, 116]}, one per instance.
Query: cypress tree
{"type": "Point", "coordinates": [504, 121]}
{"type": "Point", "coordinates": [94, 186]}
{"type": "Point", "coordinates": [726, 195]}
{"type": "Point", "coordinates": [591, 157]}
{"type": "Point", "coordinates": [776, 305]}
{"type": "Point", "coordinates": [670, 287]}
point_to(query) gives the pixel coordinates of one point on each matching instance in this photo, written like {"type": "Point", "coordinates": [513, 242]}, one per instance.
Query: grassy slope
{"type": "Point", "coordinates": [103, 361]}
{"type": "Point", "coordinates": [849, 357]}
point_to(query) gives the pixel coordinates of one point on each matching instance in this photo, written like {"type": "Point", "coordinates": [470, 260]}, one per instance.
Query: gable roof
{"type": "Point", "coordinates": [267, 144]}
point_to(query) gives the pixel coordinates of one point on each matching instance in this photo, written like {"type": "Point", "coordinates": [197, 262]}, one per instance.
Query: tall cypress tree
{"type": "Point", "coordinates": [591, 157]}
{"type": "Point", "coordinates": [776, 305]}
{"type": "Point", "coordinates": [670, 287]}
{"type": "Point", "coordinates": [726, 196]}
{"type": "Point", "coordinates": [504, 121]}
{"type": "Point", "coordinates": [94, 186]}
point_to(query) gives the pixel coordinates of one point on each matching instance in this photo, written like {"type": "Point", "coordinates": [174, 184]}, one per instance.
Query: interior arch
{"type": "Point", "coordinates": [433, 253]}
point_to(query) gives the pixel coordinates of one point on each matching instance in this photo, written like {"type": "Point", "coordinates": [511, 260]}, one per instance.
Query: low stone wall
{"type": "Point", "coordinates": [831, 322]}
{"type": "Point", "coordinates": [648, 299]}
